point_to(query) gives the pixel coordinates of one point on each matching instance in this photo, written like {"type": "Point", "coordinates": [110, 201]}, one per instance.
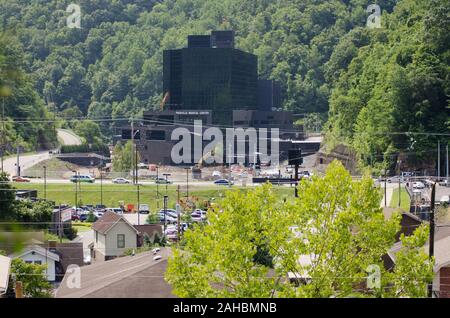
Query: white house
{"type": "Point", "coordinates": [113, 235]}
{"type": "Point", "coordinates": [5, 264]}
{"type": "Point", "coordinates": [39, 255]}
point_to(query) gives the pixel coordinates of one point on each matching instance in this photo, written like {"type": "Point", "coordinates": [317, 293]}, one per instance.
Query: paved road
{"type": "Point", "coordinates": [68, 138]}
{"type": "Point", "coordinates": [25, 162]}
{"type": "Point", "coordinates": [86, 238]}
{"type": "Point", "coordinates": [389, 190]}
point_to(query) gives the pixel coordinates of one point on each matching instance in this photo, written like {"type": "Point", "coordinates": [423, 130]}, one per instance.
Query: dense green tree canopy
{"type": "Point", "coordinates": [331, 236]}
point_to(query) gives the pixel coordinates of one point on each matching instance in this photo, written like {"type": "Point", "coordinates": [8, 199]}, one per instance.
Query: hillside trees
{"type": "Point", "coordinates": [20, 101]}
{"type": "Point", "coordinates": [397, 83]}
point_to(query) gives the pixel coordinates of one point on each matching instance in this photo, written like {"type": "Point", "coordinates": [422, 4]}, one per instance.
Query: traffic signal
{"type": "Point", "coordinates": [295, 157]}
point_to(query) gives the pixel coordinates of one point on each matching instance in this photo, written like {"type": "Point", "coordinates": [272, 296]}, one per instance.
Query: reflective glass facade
{"type": "Point", "coordinates": [218, 79]}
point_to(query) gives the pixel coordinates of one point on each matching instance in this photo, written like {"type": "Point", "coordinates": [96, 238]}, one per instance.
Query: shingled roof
{"type": "Point", "coordinates": [107, 221]}
{"type": "Point", "coordinates": [138, 276]}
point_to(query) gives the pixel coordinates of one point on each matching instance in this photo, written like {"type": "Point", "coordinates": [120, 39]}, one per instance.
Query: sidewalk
{"type": "Point", "coordinates": [389, 192]}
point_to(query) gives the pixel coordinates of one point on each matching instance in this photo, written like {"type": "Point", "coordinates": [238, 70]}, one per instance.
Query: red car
{"type": "Point", "coordinates": [20, 179]}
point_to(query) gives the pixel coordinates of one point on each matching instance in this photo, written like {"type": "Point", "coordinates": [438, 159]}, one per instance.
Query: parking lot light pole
{"type": "Point", "coordinates": [45, 182]}
{"type": "Point", "coordinates": [101, 186]}
{"type": "Point", "coordinates": [165, 213]}
{"type": "Point", "coordinates": [385, 188]}
{"type": "Point", "coordinates": [76, 191]}
{"type": "Point", "coordinates": [138, 203]}
{"type": "Point", "coordinates": [157, 187]}
{"type": "Point", "coordinates": [166, 175]}
{"type": "Point", "coordinates": [187, 183]}
{"type": "Point", "coordinates": [399, 184]}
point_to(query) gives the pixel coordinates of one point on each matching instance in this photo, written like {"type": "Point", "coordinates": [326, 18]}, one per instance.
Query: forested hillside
{"type": "Point", "coordinates": [20, 100]}
{"type": "Point", "coordinates": [398, 83]}
{"type": "Point", "coordinates": [372, 80]}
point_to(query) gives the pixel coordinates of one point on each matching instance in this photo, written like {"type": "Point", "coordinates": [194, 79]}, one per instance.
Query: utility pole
{"type": "Point", "coordinates": [3, 130]}
{"type": "Point", "coordinates": [399, 184]}
{"type": "Point", "coordinates": [165, 213]}
{"type": "Point", "coordinates": [157, 187]}
{"type": "Point", "coordinates": [432, 225]}
{"type": "Point", "coordinates": [101, 186]}
{"type": "Point", "coordinates": [229, 179]}
{"type": "Point", "coordinates": [178, 209]}
{"type": "Point", "coordinates": [18, 158]}
{"type": "Point", "coordinates": [446, 163]}
{"type": "Point", "coordinates": [187, 183]}
{"type": "Point", "coordinates": [139, 204]}
{"type": "Point", "coordinates": [132, 149]}
{"type": "Point", "coordinates": [439, 160]}
{"type": "Point", "coordinates": [136, 163]}
{"type": "Point", "coordinates": [60, 228]}
{"type": "Point", "coordinates": [45, 182]}
{"type": "Point", "coordinates": [76, 191]}
{"type": "Point", "coordinates": [385, 188]}
{"type": "Point", "coordinates": [167, 181]}
{"type": "Point", "coordinates": [296, 180]}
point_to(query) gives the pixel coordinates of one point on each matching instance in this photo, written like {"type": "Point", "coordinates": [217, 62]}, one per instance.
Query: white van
{"type": "Point", "coordinates": [82, 178]}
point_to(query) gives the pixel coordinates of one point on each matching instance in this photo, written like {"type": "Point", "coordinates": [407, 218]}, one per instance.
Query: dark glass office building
{"type": "Point", "coordinates": [219, 78]}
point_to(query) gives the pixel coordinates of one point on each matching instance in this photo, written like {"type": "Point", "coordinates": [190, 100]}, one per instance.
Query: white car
{"type": "Point", "coordinates": [418, 185]}
{"type": "Point", "coordinates": [121, 181]}
{"type": "Point", "coordinates": [98, 214]}
{"type": "Point", "coordinates": [216, 174]}
{"type": "Point", "coordinates": [445, 199]}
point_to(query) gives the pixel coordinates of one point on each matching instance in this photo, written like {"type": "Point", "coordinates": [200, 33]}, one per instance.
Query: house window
{"type": "Point", "coordinates": [120, 240]}
{"type": "Point", "coordinates": [38, 262]}
{"type": "Point", "coordinates": [29, 262]}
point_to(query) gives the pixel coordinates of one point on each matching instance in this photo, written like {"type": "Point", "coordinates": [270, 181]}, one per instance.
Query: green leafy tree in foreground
{"type": "Point", "coordinates": [35, 284]}
{"type": "Point", "coordinates": [336, 228]}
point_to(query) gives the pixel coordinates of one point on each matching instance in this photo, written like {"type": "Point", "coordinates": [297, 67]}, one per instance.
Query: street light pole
{"type": "Point", "coordinates": [187, 183]}
{"type": "Point", "coordinates": [385, 188]}
{"type": "Point", "coordinates": [3, 130]}
{"type": "Point", "coordinates": [399, 183]}
{"type": "Point", "coordinates": [439, 160]}
{"type": "Point", "coordinates": [132, 149]}
{"type": "Point", "coordinates": [157, 187]}
{"type": "Point", "coordinates": [165, 213]}
{"type": "Point", "coordinates": [138, 204]}
{"type": "Point", "coordinates": [166, 175]}
{"type": "Point", "coordinates": [45, 183]}
{"type": "Point", "coordinates": [101, 186]}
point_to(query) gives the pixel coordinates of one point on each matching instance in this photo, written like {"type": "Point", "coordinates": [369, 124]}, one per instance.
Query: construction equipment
{"type": "Point", "coordinates": [164, 101]}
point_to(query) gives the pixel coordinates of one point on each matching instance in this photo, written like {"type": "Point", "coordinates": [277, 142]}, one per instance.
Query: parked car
{"type": "Point", "coordinates": [394, 179]}
{"type": "Point", "coordinates": [162, 181]}
{"type": "Point", "coordinates": [223, 182]}
{"type": "Point", "coordinates": [121, 181]}
{"type": "Point", "coordinates": [216, 174]}
{"type": "Point", "coordinates": [445, 199]}
{"type": "Point", "coordinates": [100, 208]}
{"type": "Point", "coordinates": [82, 178]}
{"type": "Point", "coordinates": [444, 183]}
{"type": "Point", "coordinates": [84, 217]}
{"type": "Point", "coordinates": [98, 214]}
{"type": "Point", "coordinates": [143, 166]}
{"type": "Point", "coordinates": [144, 209]}
{"type": "Point", "coordinates": [115, 210]}
{"type": "Point", "coordinates": [20, 179]}
{"type": "Point", "coordinates": [198, 215]}
{"type": "Point", "coordinates": [418, 185]}
{"type": "Point", "coordinates": [170, 216]}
